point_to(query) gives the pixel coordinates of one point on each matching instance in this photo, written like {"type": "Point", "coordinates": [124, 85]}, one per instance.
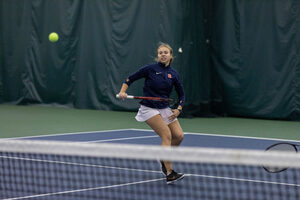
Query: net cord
{"type": "Point", "coordinates": [151, 152]}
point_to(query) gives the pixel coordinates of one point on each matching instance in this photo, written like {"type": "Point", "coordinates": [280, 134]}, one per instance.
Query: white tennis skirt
{"type": "Point", "coordinates": [146, 113]}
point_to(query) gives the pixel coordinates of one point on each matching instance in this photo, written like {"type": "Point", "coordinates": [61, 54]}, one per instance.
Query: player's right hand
{"type": "Point", "coordinates": [122, 95]}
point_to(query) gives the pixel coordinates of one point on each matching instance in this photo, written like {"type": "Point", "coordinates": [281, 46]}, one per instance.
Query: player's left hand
{"type": "Point", "coordinates": [175, 114]}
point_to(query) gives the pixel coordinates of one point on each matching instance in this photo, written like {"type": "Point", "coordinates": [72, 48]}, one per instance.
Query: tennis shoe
{"type": "Point", "coordinates": [174, 176]}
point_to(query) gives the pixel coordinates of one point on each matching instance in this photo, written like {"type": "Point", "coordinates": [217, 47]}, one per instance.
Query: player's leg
{"type": "Point", "coordinates": [176, 133]}
{"type": "Point", "coordinates": [160, 127]}
{"type": "Point", "coordinates": [177, 137]}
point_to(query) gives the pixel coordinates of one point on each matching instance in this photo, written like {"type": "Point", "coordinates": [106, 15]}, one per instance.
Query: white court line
{"type": "Point", "coordinates": [87, 189]}
{"type": "Point", "coordinates": [78, 164]}
{"type": "Point", "coordinates": [69, 133]}
{"type": "Point", "coordinates": [85, 165]}
{"type": "Point", "coordinates": [147, 130]}
{"type": "Point", "coordinates": [245, 180]}
{"type": "Point", "coordinates": [93, 141]}
{"type": "Point", "coordinates": [229, 136]}
{"type": "Point", "coordinates": [119, 139]}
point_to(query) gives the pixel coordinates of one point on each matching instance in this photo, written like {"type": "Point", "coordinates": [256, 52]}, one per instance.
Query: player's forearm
{"type": "Point", "coordinates": [124, 88]}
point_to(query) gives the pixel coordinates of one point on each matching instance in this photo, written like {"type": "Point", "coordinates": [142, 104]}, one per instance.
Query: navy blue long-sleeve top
{"type": "Point", "coordinates": [159, 82]}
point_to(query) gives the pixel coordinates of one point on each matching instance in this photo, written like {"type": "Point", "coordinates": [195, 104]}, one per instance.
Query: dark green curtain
{"type": "Point", "coordinates": [101, 43]}
{"type": "Point", "coordinates": [255, 52]}
{"type": "Point", "coordinates": [238, 58]}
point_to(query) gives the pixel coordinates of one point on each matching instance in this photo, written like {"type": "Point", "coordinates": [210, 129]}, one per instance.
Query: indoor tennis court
{"type": "Point", "coordinates": [90, 92]}
{"type": "Point", "coordinates": [110, 178]}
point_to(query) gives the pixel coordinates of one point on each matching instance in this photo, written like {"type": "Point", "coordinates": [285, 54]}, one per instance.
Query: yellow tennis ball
{"type": "Point", "coordinates": [53, 37]}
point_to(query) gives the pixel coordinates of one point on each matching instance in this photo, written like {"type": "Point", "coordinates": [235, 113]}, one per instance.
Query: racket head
{"type": "Point", "coordinates": [283, 147]}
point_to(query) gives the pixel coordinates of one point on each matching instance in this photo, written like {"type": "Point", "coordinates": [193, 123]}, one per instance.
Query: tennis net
{"type": "Point", "coordinates": [67, 170]}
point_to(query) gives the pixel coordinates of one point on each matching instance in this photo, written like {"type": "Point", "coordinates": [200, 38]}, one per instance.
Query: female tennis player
{"type": "Point", "coordinates": [159, 81]}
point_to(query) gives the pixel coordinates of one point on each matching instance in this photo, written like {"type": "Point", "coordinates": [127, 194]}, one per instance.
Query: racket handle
{"type": "Point", "coordinates": [128, 96]}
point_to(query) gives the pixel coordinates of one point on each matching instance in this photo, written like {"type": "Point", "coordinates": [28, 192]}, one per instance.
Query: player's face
{"type": "Point", "coordinates": [164, 55]}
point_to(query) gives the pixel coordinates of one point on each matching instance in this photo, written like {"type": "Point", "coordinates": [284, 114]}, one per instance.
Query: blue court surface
{"type": "Point", "coordinates": [137, 180]}
{"type": "Point", "coordinates": [148, 137]}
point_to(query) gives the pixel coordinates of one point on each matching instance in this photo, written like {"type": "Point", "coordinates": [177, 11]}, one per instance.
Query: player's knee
{"type": "Point", "coordinates": [166, 137]}
{"type": "Point", "coordinates": [179, 137]}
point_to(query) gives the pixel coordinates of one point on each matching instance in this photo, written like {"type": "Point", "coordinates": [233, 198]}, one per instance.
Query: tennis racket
{"type": "Point", "coordinates": [282, 146]}
{"type": "Point", "coordinates": [148, 98]}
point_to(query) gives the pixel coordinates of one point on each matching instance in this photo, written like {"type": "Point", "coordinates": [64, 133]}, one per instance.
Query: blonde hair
{"type": "Point", "coordinates": [162, 44]}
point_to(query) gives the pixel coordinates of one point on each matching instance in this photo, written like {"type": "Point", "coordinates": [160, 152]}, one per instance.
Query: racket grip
{"type": "Point", "coordinates": [128, 96]}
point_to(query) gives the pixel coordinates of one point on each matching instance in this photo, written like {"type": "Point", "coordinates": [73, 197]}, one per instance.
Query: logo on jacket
{"type": "Point", "coordinates": [169, 76]}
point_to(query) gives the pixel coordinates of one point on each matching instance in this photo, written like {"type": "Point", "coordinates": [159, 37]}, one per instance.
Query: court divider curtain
{"type": "Point", "coordinates": [255, 52]}
{"type": "Point", "coordinates": [239, 58]}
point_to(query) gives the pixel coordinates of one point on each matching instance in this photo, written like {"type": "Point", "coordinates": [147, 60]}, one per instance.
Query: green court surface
{"type": "Point", "coordinates": [19, 121]}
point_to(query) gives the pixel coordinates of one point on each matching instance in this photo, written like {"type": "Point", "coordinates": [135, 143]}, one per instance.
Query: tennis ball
{"type": "Point", "coordinates": [53, 37]}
